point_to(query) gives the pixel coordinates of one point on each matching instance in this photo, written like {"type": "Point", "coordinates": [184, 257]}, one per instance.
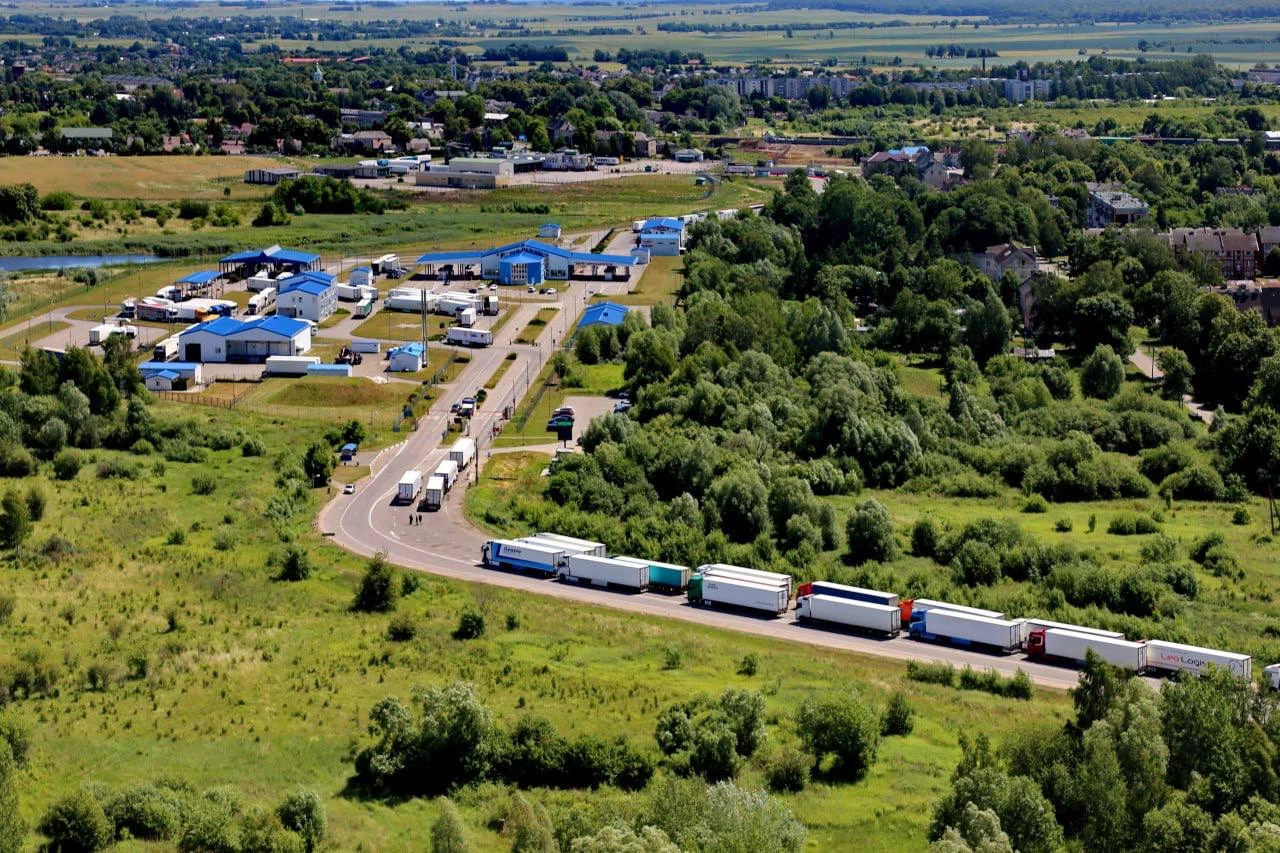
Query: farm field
{"type": "Point", "coordinates": [168, 178]}
{"type": "Point", "coordinates": [262, 685]}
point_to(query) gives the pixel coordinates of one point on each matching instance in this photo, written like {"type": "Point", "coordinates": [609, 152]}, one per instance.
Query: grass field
{"type": "Point", "coordinates": [500, 372]}
{"type": "Point", "coordinates": [659, 282]}
{"type": "Point", "coordinates": [11, 345]}
{"type": "Point", "coordinates": [402, 326]}
{"type": "Point", "coordinates": [534, 327]}
{"type": "Point", "coordinates": [167, 178]}
{"type": "Point", "coordinates": [528, 425]}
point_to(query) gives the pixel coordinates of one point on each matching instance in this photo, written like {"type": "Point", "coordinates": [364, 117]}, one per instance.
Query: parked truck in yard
{"type": "Point", "coordinates": [604, 571]}
{"type": "Point", "coordinates": [409, 486]}
{"type": "Point", "coordinates": [463, 451]}
{"type": "Point", "coordinates": [1034, 624]}
{"type": "Point", "coordinates": [854, 593]}
{"type": "Point", "coordinates": [585, 546]}
{"type": "Point", "coordinates": [524, 556]}
{"type": "Point", "coordinates": [725, 591]}
{"type": "Point", "coordinates": [667, 576]}
{"type": "Point", "coordinates": [849, 613]}
{"type": "Point", "coordinates": [967, 629]}
{"type": "Point", "coordinates": [1193, 660]}
{"type": "Point", "coordinates": [448, 471]}
{"type": "Point", "coordinates": [911, 607]}
{"type": "Point", "coordinates": [1073, 647]}
{"type": "Point", "coordinates": [435, 491]}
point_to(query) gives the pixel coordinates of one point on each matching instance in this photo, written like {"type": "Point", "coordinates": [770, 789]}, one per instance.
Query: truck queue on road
{"type": "Point", "coordinates": [824, 604]}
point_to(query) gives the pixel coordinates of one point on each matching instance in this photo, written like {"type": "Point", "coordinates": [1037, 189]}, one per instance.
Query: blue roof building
{"type": "Point", "coordinates": [227, 339]}
{"type": "Point", "coordinates": [603, 314]}
{"type": "Point", "coordinates": [522, 268]}
{"type": "Point", "coordinates": [662, 235]}
{"type": "Point", "coordinates": [407, 358]}
{"type": "Point", "coordinates": [273, 258]}
{"type": "Point", "coordinates": [200, 279]}
{"type": "Point", "coordinates": [309, 295]}
{"type": "Point", "coordinates": [557, 263]}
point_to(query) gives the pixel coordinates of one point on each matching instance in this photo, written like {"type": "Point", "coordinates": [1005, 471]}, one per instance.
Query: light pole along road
{"type": "Point", "coordinates": [446, 544]}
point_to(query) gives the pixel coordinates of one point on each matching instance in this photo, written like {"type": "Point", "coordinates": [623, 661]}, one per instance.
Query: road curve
{"type": "Point", "coordinates": [446, 544]}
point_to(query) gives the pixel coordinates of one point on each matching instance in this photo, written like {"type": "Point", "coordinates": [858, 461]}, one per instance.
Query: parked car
{"type": "Point", "coordinates": [567, 411]}
{"type": "Point", "coordinates": [551, 291]}
{"type": "Point", "coordinates": [621, 407]}
{"type": "Point", "coordinates": [533, 289]}
{"type": "Point", "coordinates": [493, 287]}
{"type": "Point", "coordinates": [349, 489]}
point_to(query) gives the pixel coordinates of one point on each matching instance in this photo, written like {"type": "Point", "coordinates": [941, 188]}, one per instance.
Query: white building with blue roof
{"type": "Point", "coordinates": [555, 263]}
{"type": "Point", "coordinates": [227, 339]}
{"type": "Point", "coordinates": [662, 235]}
{"type": "Point", "coordinates": [309, 295]}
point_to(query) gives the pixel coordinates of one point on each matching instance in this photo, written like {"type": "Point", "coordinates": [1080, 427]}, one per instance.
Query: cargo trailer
{"type": "Point", "coordinates": [1033, 624]}
{"type": "Point", "coordinates": [409, 486]}
{"type": "Point", "coordinates": [524, 556]}
{"type": "Point", "coordinates": [489, 304]}
{"type": "Point", "coordinates": [849, 613]}
{"type": "Point", "coordinates": [604, 571]}
{"type": "Point", "coordinates": [555, 544]}
{"type": "Point", "coordinates": [1273, 675]}
{"type": "Point", "coordinates": [586, 546]}
{"type": "Point", "coordinates": [855, 593]}
{"type": "Point", "coordinates": [966, 629]}
{"type": "Point", "coordinates": [1073, 647]}
{"type": "Point", "coordinates": [261, 301]}
{"type": "Point", "coordinates": [463, 451]}
{"type": "Point", "coordinates": [435, 491]}
{"type": "Point", "coordinates": [467, 317]}
{"type": "Point", "coordinates": [736, 592]}
{"type": "Point", "coordinates": [753, 575]}
{"type": "Point", "coordinates": [1176, 657]}
{"type": "Point", "coordinates": [411, 299]}
{"type": "Point", "coordinates": [448, 470]}
{"type": "Point", "coordinates": [468, 337]}
{"type": "Point", "coordinates": [665, 575]}
{"type": "Point", "coordinates": [166, 350]}
{"type": "Point", "coordinates": [290, 365]}
{"type": "Point", "coordinates": [912, 607]}
{"type": "Point", "coordinates": [98, 334]}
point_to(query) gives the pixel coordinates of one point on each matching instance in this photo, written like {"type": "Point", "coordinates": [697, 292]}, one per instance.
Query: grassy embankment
{"type": "Point", "coordinates": [534, 327]}
{"type": "Point", "coordinates": [264, 685]}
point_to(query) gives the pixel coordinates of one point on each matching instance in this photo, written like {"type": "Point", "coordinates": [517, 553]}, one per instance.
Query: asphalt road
{"type": "Point", "coordinates": [446, 544]}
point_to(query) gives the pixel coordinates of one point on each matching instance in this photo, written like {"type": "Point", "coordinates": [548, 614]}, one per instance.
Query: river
{"type": "Point", "coordinates": [19, 263]}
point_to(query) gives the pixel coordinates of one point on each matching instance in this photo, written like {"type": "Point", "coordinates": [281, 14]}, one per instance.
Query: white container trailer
{"type": "Point", "coordinates": [362, 276]}
{"type": "Point", "coordinates": [1175, 657]}
{"type": "Point", "coordinates": [505, 554]}
{"type": "Point", "coordinates": [261, 301]}
{"type": "Point", "coordinates": [409, 486]}
{"type": "Point", "coordinates": [467, 317]}
{"type": "Point", "coordinates": [448, 471]}
{"type": "Point", "coordinates": [99, 334]}
{"type": "Point", "coordinates": [1034, 624]}
{"type": "Point", "coordinates": [366, 346]}
{"type": "Point", "coordinates": [594, 548]}
{"type": "Point", "coordinates": [924, 605]}
{"type": "Point", "coordinates": [468, 337]}
{"type": "Point", "coordinates": [453, 304]}
{"type": "Point", "coordinates": [965, 629]}
{"type": "Point", "coordinates": [463, 451]}
{"type": "Point", "coordinates": [348, 292]}
{"type": "Point", "coordinates": [850, 613]}
{"type": "Point", "coordinates": [736, 592]}
{"type": "Point", "coordinates": [753, 575]}
{"type": "Point", "coordinates": [435, 491]}
{"type": "Point", "coordinates": [166, 350]}
{"type": "Point", "coordinates": [290, 365]}
{"type": "Point", "coordinates": [542, 542]}
{"type": "Point", "coordinates": [411, 299]}
{"type": "Point", "coordinates": [1273, 675]}
{"type": "Point", "coordinates": [1074, 647]}
{"type": "Point", "coordinates": [664, 575]}
{"type": "Point", "coordinates": [603, 571]}
{"type": "Point", "coordinates": [258, 282]}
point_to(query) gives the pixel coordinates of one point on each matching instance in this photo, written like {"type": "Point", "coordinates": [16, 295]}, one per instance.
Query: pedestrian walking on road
{"type": "Point", "coordinates": [411, 519]}
{"type": "Point", "coordinates": [419, 519]}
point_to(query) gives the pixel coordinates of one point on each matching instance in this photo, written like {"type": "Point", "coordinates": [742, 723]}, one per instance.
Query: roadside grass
{"type": "Point", "coordinates": [12, 344]}
{"type": "Point", "coordinates": [505, 313]}
{"type": "Point", "coordinates": [500, 372]}
{"type": "Point", "coordinates": [401, 326]}
{"type": "Point", "coordinates": [329, 392]}
{"type": "Point", "coordinates": [659, 282]}
{"type": "Point", "coordinates": [529, 424]}
{"type": "Point", "coordinates": [348, 473]}
{"type": "Point", "coordinates": [535, 326]}
{"type": "Point", "coordinates": [333, 319]}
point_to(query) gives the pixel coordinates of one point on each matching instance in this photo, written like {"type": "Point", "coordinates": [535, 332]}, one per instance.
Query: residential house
{"type": "Point", "coordinates": [995, 261]}
{"type": "Point", "coordinates": [645, 145]}
{"type": "Point", "coordinates": [363, 118]}
{"type": "Point", "coordinates": [1234, 250]}
{"type": "Point", "coordinates": [897, 162]}
{"type": "Point", "coordinates": [85, 137]}
{"type": "Point", "coordinates": [371, 140]}
{"type": "Point", "coordinates": [1268, 239]}
{"type": "Point", "coordinates": [939, 176]}
{"type": "Point", "coordinates": [561, 131]}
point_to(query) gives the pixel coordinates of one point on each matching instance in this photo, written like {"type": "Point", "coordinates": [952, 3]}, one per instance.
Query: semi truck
{"type": "Point", "coordinates": [489, 304]}
{"type": "Point", "coordinates": [1193, 660]}
{"type": "Point", "coordinates": [966, 629]}
{"type": "Point", "coordinates": [462, 452]}
{"type": "Point", "coordinates": [753, 575]}
{"type": "Point", "coordinates": [523, 556]}
{"type": "Point", "coordinates": [586, 546]}
{"type": "Point", "coordinates": [737, 592]}
{"type": "Point", "coordinates": [667, 576]}
{"type": "Point", "coordinates": [849, 613]}
{"type": "Point", "coordinates": [555, 545]}
{"type": "Point", "coordinates": [261, 301]}
{"type": "Point", "coordinates": [468, 337]}
{"type": "Point", "coordinates": [912, 606]}
{"type": "Point", "coordinates": [98, 334]}
{"type": "Point", "coordinates": [854, 593]}
{"type": "Point", "coordinates": [448, 470]}
{"type": "Point", "coordinates": [604, 572]}
{"type": "Point", "coordinates": [166, 350]}
{"type": "Point", "coordinates": [435, 491]}
{"type": "Point", "coordinates": [409, 486]}
{"type": "Point", "coordinates": [1034, 624]}
{"type": "Point", "coordinates": [1073, 647]}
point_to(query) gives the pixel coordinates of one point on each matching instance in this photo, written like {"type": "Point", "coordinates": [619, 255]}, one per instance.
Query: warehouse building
{"type": "Point", "coordinates": [309, 295]}
{"type": "Point", "coordinates": [530, 262]}
{"type": "Point", "coordinates": [227, 339]}
{"type": "Point", "coordinates": [273, 259]}
{"type": "Point", "coordinates": [407, 358]}
{"type": "Point", "coordinates": [662, 236]}
{"type": "Point", "coordinates": [603, 314]}
{"type": "Point", "coordinates": [171, 375]}
{"type": "Point", "coordinates": [467, 173]}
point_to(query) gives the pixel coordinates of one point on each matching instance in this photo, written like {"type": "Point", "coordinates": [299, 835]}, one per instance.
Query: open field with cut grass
{"type": "Point", "coordinates": [659, 282]}
{"type": "Point", "coordinates": [402, 326]}
{"type": "Point", "coordinates": [168, 178]}
{"type": "Point", "coordinates": [263, 685]}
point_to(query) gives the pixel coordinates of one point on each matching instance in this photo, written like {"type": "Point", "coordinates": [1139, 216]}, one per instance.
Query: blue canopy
{"type": "Point", "coordinates": [202, 277]}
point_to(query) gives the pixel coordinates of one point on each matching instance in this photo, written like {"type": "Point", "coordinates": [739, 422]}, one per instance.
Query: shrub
{"type": "Point", "coordinates": [7, 605]}
{"type": "Point", "coordinates": [409, 584]}
{"type": "Point", "coordinates": [1197, 483]}
{"type": "Point", "coordinates": [177, 536]}
{"type": "Point", "coordinates": [1131, 524]}
{"type": "Point", "coordinates": [146, 812]}
{"type": "Point", "coordinates": [15, 520]}
{"type": "Point", "coordinates": [448, 833]}
{"type": "Point", "coordinates": [253, 447]}
{"type": "Point", "coordinates": [898, 716]}
{"type": "Point", "coordinates": [303, 813]}
{"type": "Point", "coordinates": [924, 538]}
{"type": "Point", "coordinates": [470, 625]}
{"type": "Point", "coordinates": [190, 208]}
{"type": "Point", "coordinates": [377, 592]}
{"type": "Point", "coordinates": [1017, 687]}
{"type": "Point", "coordinates": [224, 540]}
{"type": "Point", "coordinates": [842, 727]}
{"type": "Point", "coordinates": [67, 464]}
{"type": "Point", "coordinates": [1159, 549]}
{"type": "Point", "coordinates": [1063, 525]}
{"type": "Point", "coordinates": [118, 469]}
{"type": "Point", "coordinates": [1240, 516]}
{"type": "Point", "coordinates": [975, 564]}
{"type": "Point", "coordinates": [76, 823]}
{"type": "Point", "coordinates": [787, 770]}
{"type": "Point", "coordinates": [1201, 548]}
{"type": "Point", "coordinates": [203, 484]}
{"type": "Point", "coordinates": [931, 672]}
{"type": "Point", "coordinates": [36, 501]}
{"type": "Point", "coordinates": [295, 564]}
{"type": "Point", "coordinates": [1102, 374]}
{"type": "Point", "coordinates": [17, 461]}
{"type": "Point", "coordinates": [869, 533]}
{"type": "Point", "coordinates": [1220, 562]}
{"type": "Point", "coordinates": [401, 628]}
{"type": "Point", "coordinates": [1035, 504]}
{"type": "Point", "coordinates": [750, 664]}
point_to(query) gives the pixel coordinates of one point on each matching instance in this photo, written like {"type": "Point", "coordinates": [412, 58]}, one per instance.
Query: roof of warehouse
{"type": "Point", "coordinates": [411, 348]}
{"type": "Point", "coordinates": [167, 365]}
{"type": "Point", "coordinates": [662, 222]}
{"type": "Point", "coordinates": [272, 253]}
{"type": "Point", "coordinates": [524, 258]}
{"type": "Point", "coordinates": [536, 247]}
{"type": "Point", "coordinates": [285, 327]}
{"type": "Point", "coordinates": [203, 277]}
{"type": "Point", "coordinates": [606, 313]}
{"type": "Point", "coordinates": [315, 288]}
{"type": "Point", "coordinates": [165, 374]}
